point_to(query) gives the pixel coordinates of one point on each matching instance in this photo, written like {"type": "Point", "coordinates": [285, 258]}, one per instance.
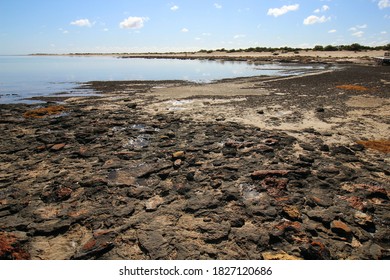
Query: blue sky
{"type": "Point", "coordinates": [62, 26]}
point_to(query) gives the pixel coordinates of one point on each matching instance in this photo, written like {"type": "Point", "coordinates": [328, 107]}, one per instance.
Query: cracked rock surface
{"type": "Point", "coordinates": [120, 176]}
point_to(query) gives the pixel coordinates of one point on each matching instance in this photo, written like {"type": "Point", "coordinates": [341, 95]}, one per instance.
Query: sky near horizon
{"type": "Point", "coordinates": [64, 26]}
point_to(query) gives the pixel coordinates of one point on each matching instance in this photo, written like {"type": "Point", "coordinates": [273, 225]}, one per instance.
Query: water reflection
{"type": "Point", "coordinates": [28, 76]}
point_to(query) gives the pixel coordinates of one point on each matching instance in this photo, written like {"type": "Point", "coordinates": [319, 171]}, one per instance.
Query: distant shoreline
{"type": "Point", "coordinates": [303, 56]}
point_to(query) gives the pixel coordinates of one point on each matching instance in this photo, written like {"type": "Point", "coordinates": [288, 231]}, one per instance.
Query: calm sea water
{"type": "Point", "coordinates": [24, 77]}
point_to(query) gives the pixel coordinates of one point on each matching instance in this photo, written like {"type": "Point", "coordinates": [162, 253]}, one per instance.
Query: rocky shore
{"type": "Point", "coordinates": [251, 168]}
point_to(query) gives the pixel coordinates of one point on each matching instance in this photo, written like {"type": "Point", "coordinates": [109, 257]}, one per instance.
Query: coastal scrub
{"type": "Point", "coordinates": [352, 87]}
{"type": "Point", "coordinates": [379, 145]}
{"type": "Point", "coordinates": [42, 112]}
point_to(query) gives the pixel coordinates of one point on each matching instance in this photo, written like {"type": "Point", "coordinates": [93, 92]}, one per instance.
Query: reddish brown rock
{"type": "Point", "coordinates": [275, 187]}
{"type": "Point", "coordinates": [96, 246]}
{"type": "Point", "coordinates": [10, 247]}
{"type": "Point", "coordinates": [40, 148]}
{"type": "Point", "coordinates": [64, 193]}
{"type": "Point", "coordinates": [57, 147]}
{"type": "Point", "coordinates": [355, 202]}
{"type": "Point", "coordinates": [287, 225]}
{"type": "Point", "coordinates": [340, 228]}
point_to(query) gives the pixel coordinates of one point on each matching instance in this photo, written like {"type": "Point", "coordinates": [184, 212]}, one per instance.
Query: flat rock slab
{"type": "Point", "coordinates": [118, 177]}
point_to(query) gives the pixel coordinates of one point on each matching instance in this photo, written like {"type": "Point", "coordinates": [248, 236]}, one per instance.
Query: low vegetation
{"type": "Point", "coordinates": [378, 145]}
{"type": "Point", "coordinates": [353, 47]}
{"type": "Point", "coordinates": [352, 87]}
{"type": "Point", "coordinates": [42, 112]}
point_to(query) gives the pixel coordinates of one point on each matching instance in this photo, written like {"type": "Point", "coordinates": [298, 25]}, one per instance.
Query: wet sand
{"type": "Point", "coordinates": [248, 168]}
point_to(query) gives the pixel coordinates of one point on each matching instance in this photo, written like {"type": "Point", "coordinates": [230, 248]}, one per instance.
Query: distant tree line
{"type": "Point", "coordinates": [353, 47]}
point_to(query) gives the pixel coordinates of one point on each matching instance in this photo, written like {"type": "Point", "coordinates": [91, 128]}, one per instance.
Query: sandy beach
{"type": "Point", "coordinates": [249, 168]}
{"type": "Point", "coordinates": [309, 56]}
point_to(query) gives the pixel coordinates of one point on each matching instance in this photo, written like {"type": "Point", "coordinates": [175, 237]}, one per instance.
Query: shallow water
{"type": "Point", "coordinates": [24, 77]}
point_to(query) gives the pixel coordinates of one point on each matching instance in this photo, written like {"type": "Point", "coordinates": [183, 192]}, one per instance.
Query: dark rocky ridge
{"type": "Point", "coordinates": [105, 180]}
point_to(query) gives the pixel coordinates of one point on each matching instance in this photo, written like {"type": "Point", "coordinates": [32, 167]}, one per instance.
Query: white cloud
{"type": "Point", "coordinates": [332, 31]}
{"type": "Point", "coordinates": [324, 8]}
{"type": "Point", "coordinates": [357, 27]}
{"type": "Point", "coordinates": [314, 19]}
{"type": "Point", "coordinates": [174, 8]}
{"type": "Point", "coordinates": [184, 30]}
{"type": "Point", "coordinates": [358, 34]}
{"type": "Point", "coordinates": [383, 32]}
{"type": "Point", "coordinates": [63, 31]}
{"type": "Point", "coordinates": [283, 10]}
{"type": "Point", "coordinates": [384, 4]}
{"type": "Point", "coordinates": [82, 22]}
{"type": "Point", "coordinates": [357, 30]}
{"type": "Point", "coordinates": [218, 6]}
{"type": "Point", "coordinates": [238, 36]}
{"type": "Point", "coordinates": [133, 22]}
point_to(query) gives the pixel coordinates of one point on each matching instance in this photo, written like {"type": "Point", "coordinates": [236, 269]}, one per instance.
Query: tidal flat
{"type": "Point", "coordinates": [249, 168]}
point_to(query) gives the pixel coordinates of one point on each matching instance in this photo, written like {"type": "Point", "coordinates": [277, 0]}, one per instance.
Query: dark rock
{"type": "Point", "coordinates": [324, 148]}
{"type": "Point", "coordinates": [261, 174]}
{"type": "Point", "coordinates": [262, 148]}
{"type": "Point", "coordinates": [357, 147]}
{"type": "Point", "coordinates": [50, 227]}
{"type": "Point", "coordinates": [154, 244]}
{"type": "Point", "coordinates": [237, 222]}
{"type": "Point", "coordinates": [342, 150]}
{"type": "Point", "coordinates": [315, 250]}
{"type": "Point", "coordinates": [131, 105]}
{"type": "Point", "coordinates": [306, 159]}
{"type": "Point", "coordinates": [248, 234]}
{"type": "Point", "coordinates": [260, 112]}
{"type": "Point", "coordinates": [56, 194]}
{"type": "Point", "coordinates": [324, 215]}
{"type": "Point", "coordinates": [231, 193]}
{"type": "Point", "coordinates": [172, 186]}
{"type": "Point", "coordinates": [214, 232]}
{"type": "Point", "coordinates": [197, 202]}
{"type": "Point", "coordinates": [307, 147]}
